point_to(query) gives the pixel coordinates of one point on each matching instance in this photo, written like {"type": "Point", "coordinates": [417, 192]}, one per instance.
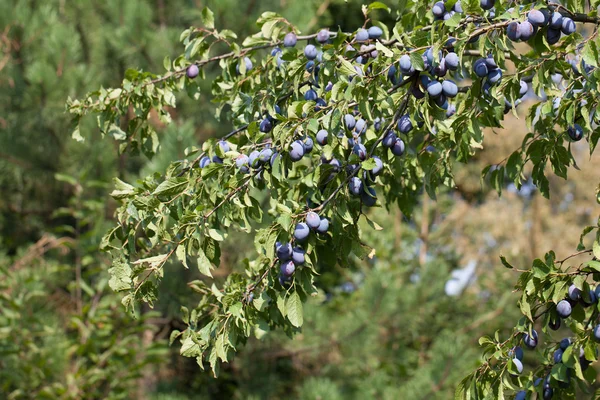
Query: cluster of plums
{"type": "Point", "coordinates": [291, 257]}
{"type": "Point", "coordinates": [565, 307]}
{"type": "Point", "coordinates": [440, 12]}
{"type": "Point", "coordinates": [537, 19]}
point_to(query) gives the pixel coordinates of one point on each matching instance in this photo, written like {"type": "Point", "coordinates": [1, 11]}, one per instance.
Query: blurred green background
{"type": "Point", "coordinates": [404, 325]}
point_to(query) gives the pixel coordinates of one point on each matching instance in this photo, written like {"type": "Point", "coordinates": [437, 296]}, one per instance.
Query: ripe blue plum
{"type": "Point", "coordinates": [298, 255]}
{"type": "Point", "coordinates": [297, 150]}
{"type": "Point", "coordinates": [310, 94]}
{"type": "Point", "coordinates": [438, 10]}
{"type": "Point", "coordinates": [378, 166]}
{"type": "Point", "coordinates": [563, 309]}
{"type": "Point", "coordinates": [494, 76]}
{"type": "Point", "coordinates": [287, 268]}
{"type": "Point", "coordinates": [404, 124]}
{"type": "Point", "coordinates": [360, 126]}
{"type": "Point", "coordinates": [449, 88]}
{"type": "Point", "coordinates": [568, 26]}
{"type": "Point", "coordinates": [398, 147]}
{"type": "Point", "coordinates": [301, 232]}
{"type": "Point", "coordinates": [574, 293]}
{"type": "Point", "coordinates": [516, 352]}
{"type": "Point", "coordinates": [536, 18]}
{"type": "Point", "coordinates": [522, 395]}
{"type": "Point", "coordinates": [451, 61]}
{"type": "Point", "coordinates": [253, 159]}
{"type": "Point", "coordinates": [557, 356]}
{"type": "Point", "coordinates": [355, 186]}
{"type": "Point", "coordinates": [310, 52]}
{"type": "Point", "coordinates": [518, 365]}
{"type": "Point", "coordinates": [375, 32]}
{"type": "Point", "coordinates": [362, 35]}
{"type": "Point", "coordinates": [526, 30]}
{"type": "Point", "coordinates": [531, 341]}
{"type": "Point", "coordinates": [368, 196]}
{"type": "Point", "coordinates": [323, 226]}
{"type": "Point", "coordinates": [596, 333]}
{"type": "Point", "coordinates": [323, 36]}
{"type": "Point", "coordinates": [360, 150]}
{"type": "Point", "coordinates": [242, 163]}
{"type": "Point", "coordinates": [349, 121]}
{"type": "Point", "coordinates": [487, 4]}
{"type": "Point", "coordinates": [265, 155]}
{"type": "Point", "coordinates": [389, 139]}
{"type": "Point", "coordinates": [575, 132]}
{"type": "Point", "coordinates": [523, 88]}
{"type": "Point", "coordinates": [378, 124]}
{"type": "Point", "coordinates": [313, 220]}
{"type": "Point", "coordinates": [434, 88]}
{"type": "Point", "coordinates": [265, 126]}
{"type": "Point", "coordinates": [204, 161]}
{"type": "Point", "coordinates": [513, 32]}
{"type": "Point", "coordinates": [564, 343]}
{"type": "Point", "coordinates": [322, 137]}
{"type": "Point", "coordinates": [405, 64]}
{"type": "Point", "coordinates": [192, 71]}
{"type": "Point", "coordinates": [224, 146]}
{"type": "Point", "coordinates": [320, 104]}
{"type": "Point", "coordinates": [457, 7]}
{"type": "Point", "coordinates": [556, 20]}
{"type": "Point", "coordinates": [290, 40]}
{"type": "Point", "coordinates": [247, 65]}
{"type": "Point", "coordinates": [480, 68]}
{"type": "Point", "coordinates": [308, 145]}
{"type": "Point", "coordinates": [283, 251]}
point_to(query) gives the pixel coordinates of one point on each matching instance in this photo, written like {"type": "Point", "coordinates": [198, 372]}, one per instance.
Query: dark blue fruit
{"type": "Point", "coordinates": [451, 61]}
{"type": "Point", "coordinates": [568, 26]}
{"type": "Point", "coordinates": [516, 352]}
{"type": "Point", "coordinates": [494, 76]}
{"type": "Point", "coordinates": [290, 40]}
{"type": "Point", "coordinates": [375, 32]}
{"type": "Point", "coordinates": [308, 145]}
{"type": "Point", "coordinates": [554, 324]}
{"type": "Point", "coordinates": [449, 88]}
{"type": "Point", "coordinates": [389, 139]}
{"type": "Point", "coordinates": [192, 71]}
{"type": "Point", "coordinates": [480, 68]}
{"type": "Point", "coordinates": [531, 341]}
{"type": "Point", "coordinates": [553, 35]}
{"type": "Point", "coordinates": [360, 126]}
{"type": "Point", "coordinates": [265, 126]}
{"type": "Point", "coordinates": [522, 395]}
{"type": "Point", "coordinates": [265, 155]}
{"type": "Point", "coordinates": [310, 52]}
{"type": "Point", "coordinates": [536, 18]}
{"type": "Point", "coordinates": [355, 186]}
{"type": "Point", "coordinates": [574, 293]}
{"type": "Point", "coordinates": [368, 196]}
{"type": "Point", "coordinates": [323, 36]}
{"type": "Point", "coordinates": [556, 20]}
{"type": "Point", "coordinates": [360, 150]}
{"type": "Point", "coordinates": [405, 64]}
{"type": "Point", "coordinates": [322, 137]}
{"type": "Point", "coordinates": [404, 124]}
{"type": "Point", "coordinates": [487, 4]}
{"type": "Point", "coordinates": [523, 88]}
{"type": "Point", "coordinates": [526, 30]}
{"type": "Point", "coordinates": [287, 268]}
{"type": "Point", "coordinates": [298, 255]}
{"type": "Point", "coordinates": [204, 161]}
{"type": "Point", "coordinates": [224, 146]}
{"type": "Point", "coordinates": [310, 95]}
{"type": "Point", "coordinates": [513, 32]}
{"type": "Point", "coordinates": [349, 121]}
{"type": "Point", "coordinates": [438, 9]}
{"type": "Point", "coordinates": [362, 35]}
{"type": "Point", "coordinates": [434, 88]}
{"type": "Point", "coordinates": [283, 251]}
{"type": "Point", "coordinates": [320, 104]}
{"type": "Point", "coordinates": [596, 333]}
{"type": "Point", "coordinates": [378, 166]}
{"type": "Point", "coordinates": [566, 342]}
{"type": "Point", "coordinates": [323, 226]}
{"type": "Point", "coordinates": [558, 356]}
{"type": "Point", "coordinates": [301, 232]}
{"type": "Point", "coordinates": [297, 150]}
{"type": "Point", "coordinates": [548, 393]}
{"type": "Point", "coordinates": [313, 220]}
{"type": "Point", "coordinates": [242, 163]}
{"type": "Point", "coordinates": [518, 365]}
{"type": "Point", "coordinates": [575, 132]}
{"type": "Point", "coordinates": [398, 147]}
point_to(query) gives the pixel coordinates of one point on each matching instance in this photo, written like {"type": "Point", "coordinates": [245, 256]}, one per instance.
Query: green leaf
{"type": "Point", "coordinates": [596, 249]}
{"type": "Point", "coordinates": [208, 18]}
{"type": "Point", "coordinates": [293, 308]}
{"type": "Point", "coordinates": [377, 5]}
{"type": "Point", "coordinates": [120, 275]}
{"type": "Point", "coordinates": [171, 187]}
{"type": "Point", "coordinates": [204, 265]}
{"type": "Point", "coordinates": [122, 189]}
{"type": "Point", "coordinates": [505, 263]}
